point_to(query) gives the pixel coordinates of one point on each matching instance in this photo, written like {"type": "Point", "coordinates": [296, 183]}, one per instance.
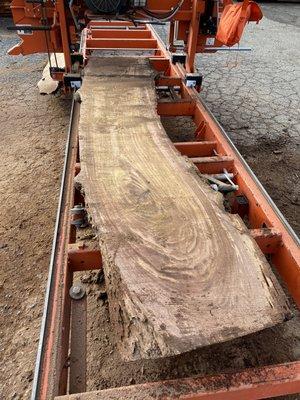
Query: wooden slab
{"type": "Point", "coordinates": [181, 272]}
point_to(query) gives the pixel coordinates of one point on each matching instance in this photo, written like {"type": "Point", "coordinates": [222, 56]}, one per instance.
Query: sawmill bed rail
{"type": "Point", "coordinates": [218, 159]}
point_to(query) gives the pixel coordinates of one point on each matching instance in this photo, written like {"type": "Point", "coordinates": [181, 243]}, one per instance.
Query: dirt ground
{"type": "Point", "coordinates": [263, 124]}
{"type": "Point", "coordinates": [33, 131]}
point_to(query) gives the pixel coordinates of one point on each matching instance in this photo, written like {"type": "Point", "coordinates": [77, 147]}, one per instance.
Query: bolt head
{"type": "Point", "coordinates": [77, 291]}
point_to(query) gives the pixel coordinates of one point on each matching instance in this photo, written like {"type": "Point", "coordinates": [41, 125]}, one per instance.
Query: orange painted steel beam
{"type": "Point", "coordinates": [196, 149]}
{"type": "Point", "coordinates": [121, 43]}
{"type": "Point", "coordinates": [197, 7]}
{"type": "Point", "coordinates": [92, 25]}
{"type": "Point", "coordinates": [160, 6]}
{"type": "Point", "coordinates": [120, 34]}
{"type": "Point", "coordinates": [214, 164]}
{"type": "Point", "coordinates": [181, 107]}
{"type": "Point", "coordinates": [168, 81]}
{"type": "Point", "coordinates": [84, 258]}
{"type": "Point", "coordinates": [250, 384]}
{"type": "Point", "coordinates": [269, 240]}
{"type": "Point", "coordinates": [65, 35]}
{"type": "Point", "coordinates": [181, 15]}
{"type": "Point", "coordinates": [160, 63]}
{"type": "Point", "coordinates": [171, 36]}
{"type": "Point", "coordinates": [111, 23]}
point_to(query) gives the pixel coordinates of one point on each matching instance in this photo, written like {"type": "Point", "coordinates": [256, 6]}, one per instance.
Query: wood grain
{"type": "Point", "coordinates": [181, 272]}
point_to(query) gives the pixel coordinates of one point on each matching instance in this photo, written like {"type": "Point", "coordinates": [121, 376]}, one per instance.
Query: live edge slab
{"type": "Point", "coordinates": [181, 272]}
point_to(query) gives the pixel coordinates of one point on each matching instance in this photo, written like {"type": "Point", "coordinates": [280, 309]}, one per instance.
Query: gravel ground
{"type": "Point", "coordinates": [254, 95]}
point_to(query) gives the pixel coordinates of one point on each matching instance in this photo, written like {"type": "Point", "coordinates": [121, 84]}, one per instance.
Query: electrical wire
{"type": "Point", "coordinates": [155, 17]}
{"type": "Point", "coordinates": [48, 50]}
{"type": "Point", "coordinates": [73, 15]}
{"type": "Point", "coordinates": [46, 37]}
{"type": "Point", "coordinates": [163, 16]}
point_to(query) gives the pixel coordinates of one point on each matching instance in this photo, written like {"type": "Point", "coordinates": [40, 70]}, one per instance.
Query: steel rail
{"type": "Point", "coordinates": [287, 258]}
{"type": "Point", "coordinates": [253, 176]}
{"type": "Point", "coordinates": [49, 288]}
{"type": "Point", "coordinates": [290, 230]}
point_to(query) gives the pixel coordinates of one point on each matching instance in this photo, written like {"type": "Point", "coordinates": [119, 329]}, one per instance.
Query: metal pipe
{"type": "Point", "coordinates": [226, 48]}
{"type": "Point", "coordinates": [29, 28]}
{"type": "Point", "coordinates": [220, 177]}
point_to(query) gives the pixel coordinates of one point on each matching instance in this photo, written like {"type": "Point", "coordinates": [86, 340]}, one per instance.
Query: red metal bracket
{"type": "Point", "coordinates": [82, 258]}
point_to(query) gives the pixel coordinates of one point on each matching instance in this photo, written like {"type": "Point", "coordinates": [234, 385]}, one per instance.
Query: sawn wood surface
{"type": "Point", "coordinates": [181, 272]}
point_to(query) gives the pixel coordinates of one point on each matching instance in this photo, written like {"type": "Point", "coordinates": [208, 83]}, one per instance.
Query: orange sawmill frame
{"type": "Point", "coordinates": [212, 151]}
{"type": "Point", "coordinates": [62, 32]}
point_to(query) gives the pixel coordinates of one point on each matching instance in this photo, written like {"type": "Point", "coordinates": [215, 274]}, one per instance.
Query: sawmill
{"type": "Point", "coordinates": [193, 250]}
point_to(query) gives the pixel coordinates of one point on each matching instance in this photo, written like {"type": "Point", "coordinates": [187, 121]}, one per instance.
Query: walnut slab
{"type": "Point", "coordinates": [181, 272]}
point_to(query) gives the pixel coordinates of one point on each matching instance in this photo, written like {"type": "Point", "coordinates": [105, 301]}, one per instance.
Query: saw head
{"type": "Point", "coordinates": [113, 7]}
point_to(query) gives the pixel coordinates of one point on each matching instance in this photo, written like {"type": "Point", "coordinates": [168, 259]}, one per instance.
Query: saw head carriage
{"type": "Point", "coordinates": [114, 7]}
{"type": "Point", "coordinates": [76, 28]}
{"type": "Point", "coordinates": [65, 27]}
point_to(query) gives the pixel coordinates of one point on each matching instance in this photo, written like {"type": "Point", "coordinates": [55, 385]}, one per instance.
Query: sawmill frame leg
{"type": "Point", "coordinates": [267, 226]}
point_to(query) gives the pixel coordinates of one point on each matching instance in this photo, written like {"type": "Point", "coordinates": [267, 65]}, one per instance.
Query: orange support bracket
{"type": "Point", "coordinates": [83, 258]}
{"type": "Point", "coordinates": [197, 8]}
{"type": "Point", "coordinates": [250, 384]}
{"type": "Point", "coordinates": [268, 239]}
{"type": "Point", "coordinates": [64, 33]}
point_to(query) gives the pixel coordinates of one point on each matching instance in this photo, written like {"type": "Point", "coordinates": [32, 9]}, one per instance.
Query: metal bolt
{"type": "Point", "coordinates": [77, 291]}
{"type": "Point", "coordinates": [78, 209]}
{"type": "Point", "coordinates": [79, 223]}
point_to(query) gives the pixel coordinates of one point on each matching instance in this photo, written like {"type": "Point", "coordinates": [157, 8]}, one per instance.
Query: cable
{"type": "Point", "coordinates": [164, 16]}
{"type": "Point", "coordinates": [46, 37]}
{"type": "Point", "coordinates": [54, 53]}
{"type": "Point", "coordinates": [48, 50]}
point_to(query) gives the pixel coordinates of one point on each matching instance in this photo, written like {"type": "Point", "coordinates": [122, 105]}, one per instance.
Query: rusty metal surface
{"type": "Point", "coordinates": [78, 345]}
{"type": "Point", "coordinates": [84, 258]}
{"type": "Point", "coordinates": [251, 384]}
